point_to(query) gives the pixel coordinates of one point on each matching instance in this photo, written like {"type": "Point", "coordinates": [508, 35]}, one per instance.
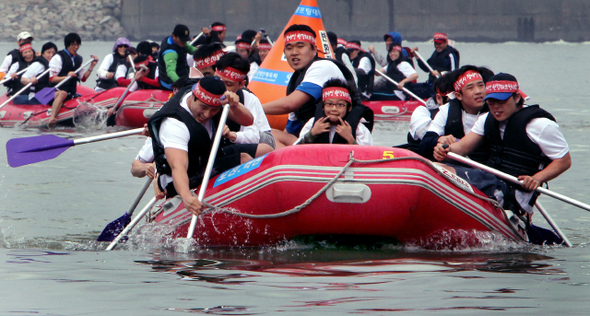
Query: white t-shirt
{"type": "Point", "coordinates": [440, 120]}
{"type": "Point", "coordinates": [363, 135]}
{"type": "Point", "coordinates": [251, 134]}
{"type": "Point", "coordinates": [365, 64]}
{"type": "Point", "coordinates": [405, 68]}
{"type": "Point", "coordinates": [253, 69]}
{"type": "Point", "coordinates": [6, 63]}
{"type": "Point", "coordinates": [146, 153]}
{"type": "Point", "coordinates": [315, 78]}
{"type": "Point", "coordinates": [175, 134]}
{"type": "Point", "coordinates": [103, 69]}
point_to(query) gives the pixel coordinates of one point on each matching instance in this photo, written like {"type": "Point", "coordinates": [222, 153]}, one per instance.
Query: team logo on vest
{"type": "Point", "coordinates": [299, 36]}
{"type": "Point", "coordinates": [231, 73]}
{"type": "Point", "coordinates": [336, 93]}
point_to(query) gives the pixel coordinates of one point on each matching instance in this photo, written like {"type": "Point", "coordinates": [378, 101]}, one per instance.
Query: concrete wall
{"type": "Point", "coordinates": [464, 20]}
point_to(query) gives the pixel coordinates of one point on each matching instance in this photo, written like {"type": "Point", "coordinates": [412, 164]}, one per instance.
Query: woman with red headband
{"type": "Point", "coordinates": [335, 123]}
{"type": "Point", "coordinates": [401, 71]}
{"type": "Point", "coordinates": [27, 57]}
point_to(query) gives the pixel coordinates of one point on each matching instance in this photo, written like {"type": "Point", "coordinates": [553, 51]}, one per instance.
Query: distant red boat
{"type": "Point", "coordinates": [386, 192]}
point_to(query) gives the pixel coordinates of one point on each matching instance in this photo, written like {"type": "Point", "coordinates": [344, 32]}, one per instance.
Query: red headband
{"type": "Point", "coordinates": [206, 96]}
{"type": "Point", "coordinates": [299, 36]}
{"type": "Point", "coordinates": [336, 93]}
{"type": "Point", "coordinates": [143, 63]}
{"type": "Point", "coordinates": [440, 37]}
{"type": "Point", "coordinates": [231, 74]}
{"type": "Point", "coordinates": [466, 78]}
{"type": "Point", "coordinates": [208, 61]}
{"type": "Point", "coordinates": [351, 45]}
{"type": "Point", "coordinates": [218, 28]}
{"type": "Point", "coordinates": [264, 46]}
{"type": "Point", "coordinates": [342, 41]}
{"type": "Point", "coordinates": [502, 86]}
{"type": "Point", "coordinates": [242, 45]}
{"type": "Point", "coordinates": [25, 47]}
{"type": "Point", "coordinates": [396, 47]}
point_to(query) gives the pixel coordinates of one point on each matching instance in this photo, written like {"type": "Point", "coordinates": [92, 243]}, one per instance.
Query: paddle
{"type": "Point", "coordinates": [267, 37]}
{"type": "Point", "coordinates": [552, 224]}
{"type": "Point", "coordinates": [118, 103]}
{"type": "Point", "coordinates": [132, 223]}
{"type": "Point", "coordinates": [425, 63]}
{"type": "Point", "coordinates": [47, 94]}
{"type": "Point", "coordinates": [27, 150]}
{"type": "Point", "coordinates": [114, 228]}
{"type": "Point", "coordinates": [405, 89]}
{"type": "Point", "coordinates": [209, 167]}
{"type": "Point", "coordinates": [195, 39]}
{"type": "Point", "coordinates": [10, 78]}
{"type": "Point", "coordinates": [23, 89]}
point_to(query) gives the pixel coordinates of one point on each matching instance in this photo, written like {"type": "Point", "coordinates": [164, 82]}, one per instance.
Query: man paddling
{"type": "Point", "coordinates": [172, 59]}
{"type": "Point", "coordinates": [182, 132]}
{"type": "Point", "coordinates": [305, 86]}
{"type": "Point", "coordinates": [63, 65]}
{"type": "Point", "coordinates": [525, 141]}
{"type": "Point", "coordinates": [444, 58]}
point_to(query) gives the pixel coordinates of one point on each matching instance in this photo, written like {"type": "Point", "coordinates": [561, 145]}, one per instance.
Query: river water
{"type": "Point", "coordinates": [51, 212]}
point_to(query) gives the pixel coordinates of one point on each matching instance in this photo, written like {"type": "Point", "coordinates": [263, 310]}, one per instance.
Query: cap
{"type": "Point", "coordinates": [182, 32]}
{"type": "Point", "coordinates": [24, 35]}
{"type": "Point", "coordinates": [501, 87]}
{"type": "Point", "coordinates": [440, 37]}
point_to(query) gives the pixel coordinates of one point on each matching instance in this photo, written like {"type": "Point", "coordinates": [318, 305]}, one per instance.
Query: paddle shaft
{"type": "Point", "coordinates": [514, 179]}
{"type": "Point", "coordinates": [76, 71]}
{"type": "Point", "coordinates": [23, 89]}
{"type": "Point", "coordinates": [426, 63]}
{"type": "Point", "coordinates": [405, 89]}
{"type": "Point", "coordinates": [146, 185]}
{"type": "Point", "coordinates": [552, 223]}
{"type": "Point", "coordinates": [132, 224]}
{"type": "Point", "coordinates": [97, 138]}
{"type": "Point", "coordinates": [267, 37]}
{"type": "Point", "coordinates": [196, 38]}
{"type": "Point", "coordinates": [209, 167]}
{"type": "Point", "coordinates": [10, 78]}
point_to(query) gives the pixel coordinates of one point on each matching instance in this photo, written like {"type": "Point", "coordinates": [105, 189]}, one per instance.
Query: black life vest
{"type": "Point", "coordinates": [42, 82]}
{"type": "Point", "coordinates": [394, 73]}
{"type": "Point", "coordinates": [111, 83]}
{"type": "Point", "coordinates": [199, 146]}
{"type": "Point", "coordinates": [16, 56]}
{"type": "Point", "coordinates": [181, 65]}
{"type": "Point", "coordinates": [516, 154]}
{"type": "Point", "coordinates": [353, 117]}
{"type": "Point", "coordinates": [365, 80]}
{"type": "Point", "coordinates": [454, 126]}
{"type": "Point", "coordinates": [338, 53]}
{"type": "Point", "coordinates": [66, 66]}
{"type": "Point", "coordinates": [15, 85]}
{"type": "Point", "coordinates": [152, 67]}
{"type": "Point", "coordinates": [307, 110]}
{"type": "Point", "coordinates": [441, 61]}
{"type": "Point", "coordinates": [413, 144]}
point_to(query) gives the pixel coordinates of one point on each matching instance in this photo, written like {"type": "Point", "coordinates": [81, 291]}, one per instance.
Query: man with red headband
{"type": "Point", "coordinates": [214, 34]}
{"type": "Point", "coordinates": [305, 86]}
{"type": "Point", "coordinates": [205, 58]}
{"type": "Point", "coordinates": [337, 120]}
{"type": "Point", "coordinates": [525, 141]}
{"type": "Point", "coordinates": [182, 135]}
{"type": "Point", "coordinates": [455, 119]}
{"type": "Point", "coordinates": [232, 69]}
{"type": "Point", "coordinates": [444, 57]}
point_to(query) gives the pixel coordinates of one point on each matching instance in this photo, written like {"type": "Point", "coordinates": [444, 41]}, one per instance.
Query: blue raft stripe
{"type": "Point", "coordinates": [307, 11]}
{"type": "Point", "coordinates": [277, 77]}
{"type": "Point", "coordinates": [238, 171]}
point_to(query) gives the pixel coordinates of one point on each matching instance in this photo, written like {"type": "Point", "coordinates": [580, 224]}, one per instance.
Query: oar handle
{"type": "Point", "coordinates": [209, 167]}
{"type": "Point", "coordinates": [76, 71]}
{"type": "Point", "coordinates": [97, 138]}
{"type": "Point", "coordinates": [515, 180]}
{"type": "Point", "coordinates": [405, 89]}
{"type": "Point", "coordinates": [132, 224]}
{"type": "Point", "coordinates": [267, 37]}
{"type": "Point", "coordinates": [196, 38]}
{"type": "Point", "coordinates": [10, 78]}
{"type": "Point", "coordinates": [23, 89]}
{"type": "Point", "coordinates": [425, 63]}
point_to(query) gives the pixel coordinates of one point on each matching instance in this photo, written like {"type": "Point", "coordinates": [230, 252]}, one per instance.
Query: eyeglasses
{"type": "Point", "coordinates": [337, 105]}
{"type": "Point", "coordinates": [126, 46]}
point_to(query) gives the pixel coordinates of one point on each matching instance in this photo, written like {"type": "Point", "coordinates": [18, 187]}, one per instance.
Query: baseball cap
{"type": "Point", "coordinates": [182, 32]}
{"type": "Point", "coordinates": [24, 35]}
{"type": "Point", "coordinates": [501, 87]}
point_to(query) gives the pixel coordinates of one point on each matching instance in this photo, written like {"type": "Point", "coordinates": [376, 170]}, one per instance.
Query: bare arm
{"type": "Point", "coordinates": [141, 169]}
{"type": "Point", "coordinates": [178, 161]}
{"type": "Point", "coordinates": [237, 111]}
{"type": "Point", "coordinates": [286, 104]}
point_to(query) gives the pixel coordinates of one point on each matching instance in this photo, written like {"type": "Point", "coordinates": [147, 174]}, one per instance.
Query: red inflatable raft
{"type": "Point", "coordinates": [350, 190]}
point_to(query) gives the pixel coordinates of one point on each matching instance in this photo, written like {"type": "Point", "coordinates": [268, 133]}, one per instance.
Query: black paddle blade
{"type": "Point", "coordinates": [114, 228]}
{"type": "Point", "coordinates": [27, 150]}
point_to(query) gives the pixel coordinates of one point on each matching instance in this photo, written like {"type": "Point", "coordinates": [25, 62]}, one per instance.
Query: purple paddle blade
{"type": "Point", "coordinates": [45, 95]}
{"type": "Point", "coordinates": [114, 228]}
{"type": "Point", "coordinates": [28, 150]}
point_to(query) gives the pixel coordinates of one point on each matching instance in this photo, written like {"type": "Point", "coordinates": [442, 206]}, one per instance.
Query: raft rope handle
{"type": "Point", "coordinates": [351, 160]}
